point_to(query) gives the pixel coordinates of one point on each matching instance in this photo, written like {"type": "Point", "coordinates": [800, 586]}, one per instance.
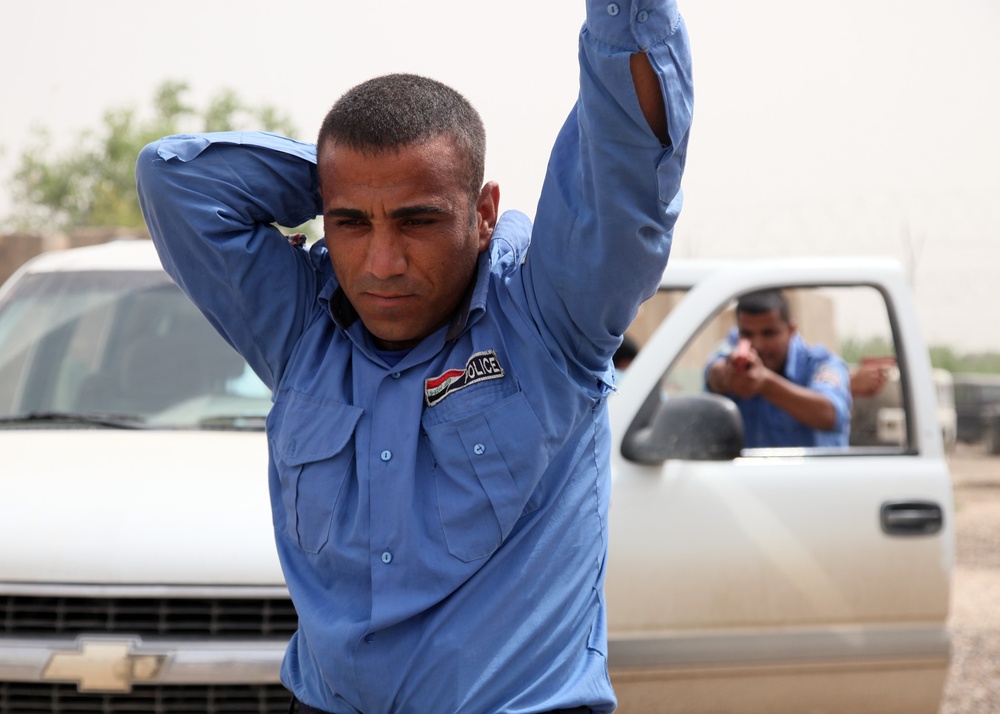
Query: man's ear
{"type": "Point", "coordinates": [487, 212]}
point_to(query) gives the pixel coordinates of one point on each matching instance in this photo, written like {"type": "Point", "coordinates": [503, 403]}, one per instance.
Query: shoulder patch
{"type": "Point", "coordinates": [480, 367]}
{"type": "Point", "coordinates": [828, 375]}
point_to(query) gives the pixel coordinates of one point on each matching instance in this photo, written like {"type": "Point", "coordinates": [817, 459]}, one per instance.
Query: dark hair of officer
{"type": "Point", "coordinates": [396, 110]}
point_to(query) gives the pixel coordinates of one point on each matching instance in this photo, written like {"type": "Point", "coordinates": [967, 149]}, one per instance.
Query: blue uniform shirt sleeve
{"type": "Point", "coordinates": [817, 368]}
{"type": "Point", "coordinates": [829, 376]}
{"type": "Point", "coordinates": [210, 201]}
{"type": "Point", "coordinates": [611, 195]}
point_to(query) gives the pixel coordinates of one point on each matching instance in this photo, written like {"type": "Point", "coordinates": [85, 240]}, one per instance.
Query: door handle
{"type": "Point", "coordinates": [911, 517]}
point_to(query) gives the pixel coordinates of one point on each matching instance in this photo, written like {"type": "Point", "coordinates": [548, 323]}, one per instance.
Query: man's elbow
{"type": "Point", "coordinates": [828, 418]}
{"type": "Point", "coordinates": [145, 162]}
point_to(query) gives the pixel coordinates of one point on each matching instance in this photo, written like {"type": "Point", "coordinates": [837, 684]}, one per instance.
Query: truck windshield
{"type": "Point", "coordinates": [104, 347]}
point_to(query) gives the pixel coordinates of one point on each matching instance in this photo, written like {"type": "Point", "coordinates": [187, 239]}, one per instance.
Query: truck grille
{"type": "Point", "coordinates": [65, 699]}
{"type": "Point", "coordinates": [147, 616]}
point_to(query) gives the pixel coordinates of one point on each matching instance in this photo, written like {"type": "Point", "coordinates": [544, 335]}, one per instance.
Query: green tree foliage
{"type": "Point", "coordinates": [980, 362]}
{"type": "Point", "coordinates": [853, 350]}
{"type": "Point", "coordinates": [92, 184]}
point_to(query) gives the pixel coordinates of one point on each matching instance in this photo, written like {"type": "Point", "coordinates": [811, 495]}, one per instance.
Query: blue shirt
{"type": "Point", "coordinates": [810, 366]}
{"type": "Point", "coordinates": [442, 521]}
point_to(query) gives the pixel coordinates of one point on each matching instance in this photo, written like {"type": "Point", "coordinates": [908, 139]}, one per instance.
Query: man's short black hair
{"type": "Point", "coordinates": [761, 301]}
{"type": "Point", "coordinates": [396, 110]}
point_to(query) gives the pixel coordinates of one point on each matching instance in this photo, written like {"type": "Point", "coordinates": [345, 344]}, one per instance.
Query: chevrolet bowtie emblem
{"type": "Point", "coordinates": [103, 665]}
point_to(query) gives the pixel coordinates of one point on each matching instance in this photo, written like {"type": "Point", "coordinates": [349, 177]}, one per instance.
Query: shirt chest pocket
{"type": "Point", "coordinates": [487, 465]}
{"type": "Point", "coordinates": [314, 456]}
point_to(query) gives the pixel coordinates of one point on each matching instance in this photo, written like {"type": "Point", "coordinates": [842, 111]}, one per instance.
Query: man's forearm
{"type": "Point", "coordinates": [805, 405]}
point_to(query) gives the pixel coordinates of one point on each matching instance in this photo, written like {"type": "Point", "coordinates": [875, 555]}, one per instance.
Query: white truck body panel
{"type": "Point", "coordinates": [766, 583]}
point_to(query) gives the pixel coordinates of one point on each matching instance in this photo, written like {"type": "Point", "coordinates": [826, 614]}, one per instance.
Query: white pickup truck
{"type": "Point", "coordinates": [779, 580]}
{"type": "Point", "coordinates": [139, 572]}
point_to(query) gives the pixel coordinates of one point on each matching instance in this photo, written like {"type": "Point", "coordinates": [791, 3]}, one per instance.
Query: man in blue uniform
{"type": "Point", "coordinates": [789, 393]}
{"type": "Point", "coordinates": [439, 445]}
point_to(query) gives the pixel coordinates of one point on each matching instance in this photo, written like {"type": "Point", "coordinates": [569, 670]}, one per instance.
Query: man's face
{"type": "Point", "coordinates": [769, 336]}
{"type": "Point", "coordinates": [403, 234]}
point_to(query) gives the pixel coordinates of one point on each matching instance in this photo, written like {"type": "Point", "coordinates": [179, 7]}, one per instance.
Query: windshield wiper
{"type": "Point", "coordinates": [113, 421]}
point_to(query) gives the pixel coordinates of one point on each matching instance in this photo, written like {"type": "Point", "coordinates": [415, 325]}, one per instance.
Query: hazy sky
{"type": "Point", "coordinates": [859, 127]}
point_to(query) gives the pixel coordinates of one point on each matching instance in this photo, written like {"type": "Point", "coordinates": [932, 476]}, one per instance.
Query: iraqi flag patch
{"type": "Point", "coordinates": [481, 367]}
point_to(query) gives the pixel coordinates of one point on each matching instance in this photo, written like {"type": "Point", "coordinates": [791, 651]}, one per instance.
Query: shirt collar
{"type": "Point", "coordinates": [331, 297]}
{"type": "Point", "coordinates": [473, 305]}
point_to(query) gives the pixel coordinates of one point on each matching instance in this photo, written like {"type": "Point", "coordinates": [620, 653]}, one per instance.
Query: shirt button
{"type": "Point", "coordinates": [370, 637]}
{"type": "Point", "coordinates": [386, 557]}
{"type": "Point", "coordinates": [395, 375]}
{"type": "Point", "coordinates": [386, 455]}
{"type": "Point", "coordinates": [613, 9]}
{"type": "Point", "coordinates": [480, 449]}
{"type": "Point", "coordinates": [642, 16]}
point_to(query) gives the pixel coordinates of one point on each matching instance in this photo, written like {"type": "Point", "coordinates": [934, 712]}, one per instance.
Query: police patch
{"type": "Point", "coordinates": [481, 367]}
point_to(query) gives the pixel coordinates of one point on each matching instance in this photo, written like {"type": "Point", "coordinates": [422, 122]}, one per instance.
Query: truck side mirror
{"type": "Point", "coordinates": [692, 427]}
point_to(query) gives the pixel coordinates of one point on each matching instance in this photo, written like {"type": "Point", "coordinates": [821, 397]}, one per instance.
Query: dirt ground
{"type": "Point", "coordinates": [973, 685]}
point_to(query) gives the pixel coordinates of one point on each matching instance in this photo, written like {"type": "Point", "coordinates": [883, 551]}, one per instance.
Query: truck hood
{"type": "Point", "coordinates": [111, 507]}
